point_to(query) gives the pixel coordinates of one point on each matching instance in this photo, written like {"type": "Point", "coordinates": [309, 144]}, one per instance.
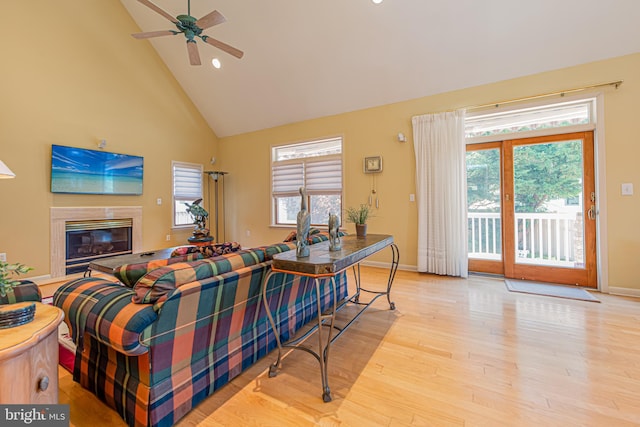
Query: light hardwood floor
{"type": "Point", "coordinates": [455, 352]}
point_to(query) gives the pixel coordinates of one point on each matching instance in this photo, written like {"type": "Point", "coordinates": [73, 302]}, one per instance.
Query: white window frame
{"type": "Point", "coordinates": [186, 187]}
{"type": "Point", "coordinates": [318, 173]}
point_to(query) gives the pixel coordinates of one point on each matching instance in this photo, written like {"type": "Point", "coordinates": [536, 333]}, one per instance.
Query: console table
{"type": "Point", "coordinates": [322, 263]}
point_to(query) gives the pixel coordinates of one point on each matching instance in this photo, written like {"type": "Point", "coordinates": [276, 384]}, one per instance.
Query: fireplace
{"type": "Point", "coordinates": [80, 234]}
{"type": "Point", "coordinates": [90, 240]}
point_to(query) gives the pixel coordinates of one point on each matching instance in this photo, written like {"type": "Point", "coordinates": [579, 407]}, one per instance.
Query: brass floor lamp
{"type": "Point", "coordinates": [217, 176]}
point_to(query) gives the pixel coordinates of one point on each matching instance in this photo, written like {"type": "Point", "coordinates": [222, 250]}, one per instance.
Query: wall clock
{"type": "Point", "coordinates": [373, 164]}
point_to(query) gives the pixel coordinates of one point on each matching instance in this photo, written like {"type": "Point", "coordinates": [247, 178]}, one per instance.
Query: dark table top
{"type": "Point", "coordinates": [323, 262]}
{"type": "Point", "coordinates": [109, 264]}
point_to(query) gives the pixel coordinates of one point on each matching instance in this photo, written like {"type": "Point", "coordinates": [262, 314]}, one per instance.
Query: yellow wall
{"type": "Point", "coordinates": [373, 132]}
{"type": "Point", "coordinates": [71, 74]}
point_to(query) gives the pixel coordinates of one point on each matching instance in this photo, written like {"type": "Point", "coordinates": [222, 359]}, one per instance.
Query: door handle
{"type": "Point", "coordinates": [591, 213]}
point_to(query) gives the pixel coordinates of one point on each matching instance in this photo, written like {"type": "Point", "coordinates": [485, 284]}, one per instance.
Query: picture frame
{"type": "Point", "coordinates": [373, 164]}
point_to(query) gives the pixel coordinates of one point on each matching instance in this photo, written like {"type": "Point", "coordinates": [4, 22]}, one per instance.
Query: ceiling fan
{"type": "Point", "coordinates": [191, 28]}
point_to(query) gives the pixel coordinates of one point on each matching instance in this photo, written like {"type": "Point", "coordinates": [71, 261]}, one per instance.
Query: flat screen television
{"type": "Point", "coordinates": [82, 171]}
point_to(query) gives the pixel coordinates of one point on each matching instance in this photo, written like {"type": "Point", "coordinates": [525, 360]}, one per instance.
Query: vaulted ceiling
{"type": "Point", "coordinates": [311, 58]}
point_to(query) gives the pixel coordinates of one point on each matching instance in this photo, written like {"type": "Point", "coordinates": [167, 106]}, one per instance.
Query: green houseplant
{"type": "Point", "coordinates": [7, 271]}
{"type": "Point", "coordinates": [359, 217]}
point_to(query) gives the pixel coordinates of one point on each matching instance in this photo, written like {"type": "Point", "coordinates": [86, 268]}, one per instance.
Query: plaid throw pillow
{"type": "Point", "coordinates": [218, 249]}
{"type": "Point", "coordinates": [157, 284]}
{"type": "Point", "coordinates": [292, 237]}
{"type": "Point", "coordinates": [129, 274]}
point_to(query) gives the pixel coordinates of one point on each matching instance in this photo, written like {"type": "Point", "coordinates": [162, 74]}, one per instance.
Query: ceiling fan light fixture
{"type": "Point", "coordinates": [216, 63]}
{"type": "Point", "coordinates": [191, 28]}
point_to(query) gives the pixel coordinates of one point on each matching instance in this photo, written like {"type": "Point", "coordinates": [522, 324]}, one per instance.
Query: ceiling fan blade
{"type": "Point", "coordinates": [158, 10]}
{"type": "Point", "coordinates": [151, 34]}
{"type": "Point", "coordinates": [223, 46]}
{"type": "Point", "coordinates": [208, 21]}
{"type": "Point", "coordinates": [194, 55]}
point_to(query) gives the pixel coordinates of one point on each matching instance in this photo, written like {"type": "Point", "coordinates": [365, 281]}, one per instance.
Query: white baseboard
{"type": "Point", "coordinates": [47, 279]}
{"type": "Point", "coordinates": [626, 292]}
{"type": "Point", "coordinates": [40, 280]}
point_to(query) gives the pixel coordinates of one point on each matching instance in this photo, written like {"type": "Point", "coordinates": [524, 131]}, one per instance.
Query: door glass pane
{"type": "Point", "coordinates": [548, 203]}
{"type": "Point", "coordinates": [483, 204]}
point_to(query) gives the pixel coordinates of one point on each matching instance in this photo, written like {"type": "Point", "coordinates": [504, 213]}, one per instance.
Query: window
{"type": "Point", "coordinates": [483, 127]}
{"type": "Point", "coordinates": [315, 165]}
{"type": "Point", "coordinates": [187, 188]}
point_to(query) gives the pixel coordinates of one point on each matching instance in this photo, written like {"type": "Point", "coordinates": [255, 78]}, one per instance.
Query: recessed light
{"type": "Point", "coordinates": [216, 63]}
{"type": "Point", "coordinates": [376, 1]}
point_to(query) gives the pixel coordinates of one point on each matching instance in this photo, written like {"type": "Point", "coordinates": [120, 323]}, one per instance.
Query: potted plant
{"type": "Point", "coordinates": [359, 217]}
{"type": "Point", "coordinates": [7, 282]}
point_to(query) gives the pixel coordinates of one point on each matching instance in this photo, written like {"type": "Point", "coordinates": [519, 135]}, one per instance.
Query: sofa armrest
{"type": "Point", "coordinates": [25, 291]}
{"type": "Point", "coordinates": [104, 310]}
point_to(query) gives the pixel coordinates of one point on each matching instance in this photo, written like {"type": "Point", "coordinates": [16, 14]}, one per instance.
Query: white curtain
{"type": "Point", "coordinates": [441, 184]}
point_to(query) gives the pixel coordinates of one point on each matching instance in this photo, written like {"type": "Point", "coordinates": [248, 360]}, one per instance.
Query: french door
{"type": "Point", "coordinates": [531, 208]}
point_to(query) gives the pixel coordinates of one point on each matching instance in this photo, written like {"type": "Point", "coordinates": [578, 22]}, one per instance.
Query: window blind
{"type": "Point", "coordinates": [187, 181]}
{"type": "Point", "coordinates": [323, 176]}
{"type": "Point", "coordinates": [317, 176]}
{"type": "Point", "coordinates": [287, 178]}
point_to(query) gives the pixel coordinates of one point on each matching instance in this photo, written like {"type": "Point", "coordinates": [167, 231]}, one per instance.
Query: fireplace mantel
{"type": "Point", "coordinates": [59, 216]}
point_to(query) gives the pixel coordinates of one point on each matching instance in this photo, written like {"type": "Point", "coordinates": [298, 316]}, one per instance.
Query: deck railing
{"type": "Point", "coordinates": [541, 238]}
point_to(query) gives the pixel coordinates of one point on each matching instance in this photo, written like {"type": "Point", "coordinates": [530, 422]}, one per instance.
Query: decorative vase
{"type": "Point", "coordinates": [303, 225]}
{"type": "Point", "coordinates": [12, 315]}
{"type": "Point", "coordinates": [361, 230]}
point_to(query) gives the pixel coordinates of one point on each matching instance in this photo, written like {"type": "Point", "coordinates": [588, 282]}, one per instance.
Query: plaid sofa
{"type": "Point", "coordinates": [153, 351]}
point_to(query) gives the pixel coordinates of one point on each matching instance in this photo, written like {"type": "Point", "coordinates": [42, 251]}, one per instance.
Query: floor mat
{"type": "Point", "coordinates": [66, 347]}
{"type": "Point", "coordinates": [539, 288]}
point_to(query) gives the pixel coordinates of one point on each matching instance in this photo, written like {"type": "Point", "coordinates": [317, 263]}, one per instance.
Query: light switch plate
{"type": "Point", "coordinates": [627, 189]}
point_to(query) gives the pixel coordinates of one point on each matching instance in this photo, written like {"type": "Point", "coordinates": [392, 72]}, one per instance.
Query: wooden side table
{"type": "Point", "coordinates": [29, 359]}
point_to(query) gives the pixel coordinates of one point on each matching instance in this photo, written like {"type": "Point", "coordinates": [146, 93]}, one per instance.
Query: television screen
{"type": "Point", "coordinates": [82, 171]}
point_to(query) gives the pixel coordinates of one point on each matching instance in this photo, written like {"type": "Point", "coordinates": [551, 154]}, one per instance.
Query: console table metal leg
{"type": "Point", "coordinates": [392, 273]}
{"type": "Point", "coordinates": [356, 278]}
{"type": "Point", "coordinates": [324, 345]}
{"type": "Point", "coordinates": [395, 258]}
{"type": "Point", "coordinates": [273, 369]}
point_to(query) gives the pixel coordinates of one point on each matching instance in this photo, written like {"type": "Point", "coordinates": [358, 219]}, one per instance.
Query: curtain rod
{"type": "Point", "coordinates": [616, 84]}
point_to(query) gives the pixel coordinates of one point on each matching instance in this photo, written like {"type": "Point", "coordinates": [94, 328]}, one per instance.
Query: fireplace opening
{"type": "Point", "coordinates": [90, 240]}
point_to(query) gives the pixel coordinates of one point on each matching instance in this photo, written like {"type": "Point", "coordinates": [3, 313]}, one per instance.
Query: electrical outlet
{"type": "Point", "coordinates": [3, 256]}
{"type": "Point", "coordinates": [627, 189]}
{"type": "Point", "coordinates": [248, 233]}
{"type": "Point", "coordinates": [168, 237]}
